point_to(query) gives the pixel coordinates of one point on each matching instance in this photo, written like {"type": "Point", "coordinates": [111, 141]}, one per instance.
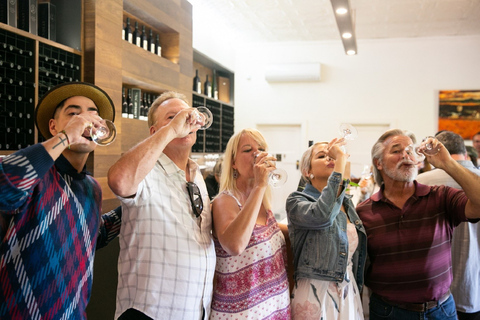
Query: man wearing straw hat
{"type": "Point", "coordinates": [50, 210]}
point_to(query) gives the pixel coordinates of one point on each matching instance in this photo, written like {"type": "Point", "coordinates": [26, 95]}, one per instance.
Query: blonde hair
{"type": "Point", "coordinates": [167, 95]}
{"type": "Point", "coordinates": [306, 161]}
{"type": "Point", "coordinates": [227, 181]}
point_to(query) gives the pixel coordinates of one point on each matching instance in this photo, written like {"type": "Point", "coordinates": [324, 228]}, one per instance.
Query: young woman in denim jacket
{"type": "Point", "coordinates": [328, 239]}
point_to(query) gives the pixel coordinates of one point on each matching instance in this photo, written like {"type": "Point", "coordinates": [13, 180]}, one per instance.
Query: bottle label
{"type": "Point", "coordinates": [152, 48]}
{"type": "Point", "coordinates": [145, 44]}
{"type": "Point", "coordinates": [138, 42]}
{"type": "Point", "coordinates": [159, 51]}
{"type": "Point", "coordinates": [123, 33]}
{"type": "Point", "coordinates": [215, 94]}
{"type": "Point", "coordinates": [130, 38]}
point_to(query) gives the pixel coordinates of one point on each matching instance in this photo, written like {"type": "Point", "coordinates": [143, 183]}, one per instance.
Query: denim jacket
{"type": "Point", "coordinates": [318, 233]}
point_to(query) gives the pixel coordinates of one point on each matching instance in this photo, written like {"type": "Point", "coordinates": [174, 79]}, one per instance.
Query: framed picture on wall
{"type": "Point", "coordinates": [459, 111]}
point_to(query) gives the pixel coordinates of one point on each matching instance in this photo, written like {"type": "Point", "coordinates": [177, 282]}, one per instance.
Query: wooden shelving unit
{"type": "Point", "coordinates": [112, 63]}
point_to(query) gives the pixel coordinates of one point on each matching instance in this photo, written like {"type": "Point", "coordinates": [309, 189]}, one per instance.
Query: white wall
{"type": "Point", "coordinates": [389, 81]}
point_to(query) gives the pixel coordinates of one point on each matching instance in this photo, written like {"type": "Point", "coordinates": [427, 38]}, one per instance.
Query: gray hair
{"type": "Point", "coordinates": [379, 147]}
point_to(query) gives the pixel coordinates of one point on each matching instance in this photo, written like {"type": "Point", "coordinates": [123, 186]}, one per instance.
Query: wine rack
{"type": "Point", "coordinates": [56, 66]}
{"type": "Point", "coordinates": [227, 124]}
{"type": "Point", "coordinates": [18, 84]}
{"type": "Point", "coordinates": [215, 138]}
{"type": "Point", "coordinates": [17, 91]}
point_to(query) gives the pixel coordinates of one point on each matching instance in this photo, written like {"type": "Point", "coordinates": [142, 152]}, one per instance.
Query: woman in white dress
{"type": "Point", "coordinates": [328, 239]}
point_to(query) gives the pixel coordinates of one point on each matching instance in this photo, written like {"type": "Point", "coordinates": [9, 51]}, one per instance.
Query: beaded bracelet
{"type": "Point", "coordinates": [68, 140]}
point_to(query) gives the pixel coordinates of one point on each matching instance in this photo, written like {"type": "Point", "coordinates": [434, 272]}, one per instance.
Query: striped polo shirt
{"type": "Point", "coordinates": [410, 247]}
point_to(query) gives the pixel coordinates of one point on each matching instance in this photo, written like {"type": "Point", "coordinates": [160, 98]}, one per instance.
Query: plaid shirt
{"type": "Point", "coordinates": [167, 256]}
{"type": "Point", "coordinates": [49, 222]}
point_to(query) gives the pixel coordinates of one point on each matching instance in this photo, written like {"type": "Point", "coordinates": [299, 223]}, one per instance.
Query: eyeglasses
{"type": "Point", "coordinates": [195, 198]}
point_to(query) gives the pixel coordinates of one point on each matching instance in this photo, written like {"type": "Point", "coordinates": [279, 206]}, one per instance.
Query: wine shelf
{"type": "Point", "coordinates": [56, 66]}
{"type": "Point", "coordinates": [17, 91]}
{"type": "Point", "coordinates": [215, 138]}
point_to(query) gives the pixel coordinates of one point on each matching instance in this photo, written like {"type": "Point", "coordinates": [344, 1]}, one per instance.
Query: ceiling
{"type": "Point", "coordinates": [313, 20]}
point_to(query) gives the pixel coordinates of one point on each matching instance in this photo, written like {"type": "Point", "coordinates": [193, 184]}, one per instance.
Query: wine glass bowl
{"type": "Point", "coordinates": [204, 117]}
{"type": "Point", "coordinates": [104, 134]}
{"type": "Point", "coordinates": [428, 148]}
{"type": "Point", "coordinates": [414, 153]}
{"type": "Point", "coordinates": [348, 131]}
{"type": "Point", "coordinates": [277, 178]}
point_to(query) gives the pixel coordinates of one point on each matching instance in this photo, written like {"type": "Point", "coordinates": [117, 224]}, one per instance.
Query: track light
{"type": "Point", "coordinates": [346, 25]}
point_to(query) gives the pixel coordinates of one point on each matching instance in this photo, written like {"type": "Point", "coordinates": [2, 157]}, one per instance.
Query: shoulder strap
{"type": "Point", "coordinates": [228, 193]}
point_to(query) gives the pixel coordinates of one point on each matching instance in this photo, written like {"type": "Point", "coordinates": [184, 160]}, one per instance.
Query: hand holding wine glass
{"type": "Point", "coordinates": [276, 177]}
{"type": "Point", "coordinates": [429, 146]}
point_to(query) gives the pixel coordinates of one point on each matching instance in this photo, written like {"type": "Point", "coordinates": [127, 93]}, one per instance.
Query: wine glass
{"type": "Point", "coordinates": [104, 134]}
{"type": "Point", "coordinates": [277, 177]}
{"type": "Point", "coordinates": [348, 132]}
{"type": "Point", "coordinates": [414, 153]}
{"type": "Point", "coordinates": [204, 116]}
{"type": "Point", "coordinates": [428, 148]}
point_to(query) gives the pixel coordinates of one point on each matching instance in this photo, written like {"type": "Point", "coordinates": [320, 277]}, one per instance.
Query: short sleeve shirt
{"type": "Point", "coordinates": [167, 256]}
{"type": "Point", "coordinates": [410, 247]}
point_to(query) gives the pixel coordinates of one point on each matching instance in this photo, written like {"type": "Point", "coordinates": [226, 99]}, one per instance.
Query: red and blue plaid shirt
{"type": "Point", "coordinates": [49, 224]}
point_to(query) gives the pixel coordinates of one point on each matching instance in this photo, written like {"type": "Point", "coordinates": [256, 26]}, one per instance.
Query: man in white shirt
{"type": "Point", "coordinates": [466, 236]}
{"type": "Point", "coordinates": [167, 256]}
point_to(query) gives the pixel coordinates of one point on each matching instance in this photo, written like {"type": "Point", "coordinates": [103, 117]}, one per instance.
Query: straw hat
{"type": "Point", "coordinates": [49, 102]}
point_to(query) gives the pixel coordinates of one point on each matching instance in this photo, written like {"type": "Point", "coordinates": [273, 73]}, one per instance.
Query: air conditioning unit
{"type": "Point", "coordinates": [293, 72]}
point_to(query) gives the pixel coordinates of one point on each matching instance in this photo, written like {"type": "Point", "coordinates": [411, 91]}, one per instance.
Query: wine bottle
{"type": "Point", "coordinates": [128, 32]}
{"type": "Point", "coordinates": [197, 85]}
{"type": "Point", "coordinates": [150, 100]}
{"type": "Point", "coordinates": [144, 113]}
{"type": "Point", "coordinates": [158, 46]}
{"type": "Point", "coordinates": [124, 104]}
{"type": "Point", "coordinates": [151, 42]}
{"type": "Point", "coordinates": [130, 104]}
{"type": "Point", "coordinates": [207, 88]}
{"type": "Point", "coordinates": [144, 39]}
{"type": "Point", "coordinates": [136, 36]}
{"type": "Point", "coordinates": [214, 85]}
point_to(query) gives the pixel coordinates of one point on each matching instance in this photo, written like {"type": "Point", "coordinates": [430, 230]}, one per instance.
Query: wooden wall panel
{"type": "Point", "coordinates": [111, 62]}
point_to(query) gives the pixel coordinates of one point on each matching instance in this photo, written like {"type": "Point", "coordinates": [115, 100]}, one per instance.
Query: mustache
{"type": "Point", "coordinates": [405, 162]}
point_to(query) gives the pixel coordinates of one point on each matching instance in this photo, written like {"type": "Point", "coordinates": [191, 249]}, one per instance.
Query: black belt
{"type": "Point", "coordinates": [418, 307]}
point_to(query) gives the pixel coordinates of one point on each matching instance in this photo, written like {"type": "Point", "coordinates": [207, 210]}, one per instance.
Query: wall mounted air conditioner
{"type": "Point", "coordinates": [293, 72]}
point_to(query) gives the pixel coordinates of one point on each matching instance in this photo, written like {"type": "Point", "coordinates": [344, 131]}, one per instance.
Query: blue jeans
{"type": "Point", "coordinates": [381, 310]}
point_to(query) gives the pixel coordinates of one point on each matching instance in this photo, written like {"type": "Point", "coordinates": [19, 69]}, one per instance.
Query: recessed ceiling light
{"type": "Point", "coordinates": [351, 52]}
{"type": "Point", "coordinates": [347, 35]}
{"type": "Point", "coordinates": [341, 11]}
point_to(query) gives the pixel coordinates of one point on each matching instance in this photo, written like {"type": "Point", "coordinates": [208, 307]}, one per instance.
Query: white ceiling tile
{"type": "Point", "coordinates": [313, 20]}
